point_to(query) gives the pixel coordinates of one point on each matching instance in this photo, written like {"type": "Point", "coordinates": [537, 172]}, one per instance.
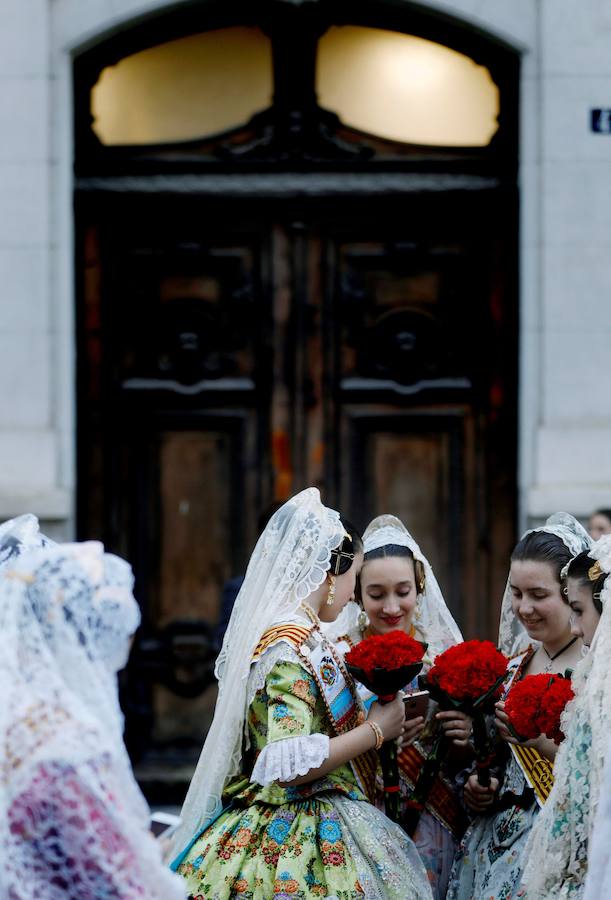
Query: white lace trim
{"type": "Point", "coordinates": [286, 760]}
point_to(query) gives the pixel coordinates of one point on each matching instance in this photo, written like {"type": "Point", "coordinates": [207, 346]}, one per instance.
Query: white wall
{"type": "Point", "coordinates": [29, 459]}
{"type": "Point", "coordinates": [572, 467]}
{"type": "Point", "coordinates": [565, 176]}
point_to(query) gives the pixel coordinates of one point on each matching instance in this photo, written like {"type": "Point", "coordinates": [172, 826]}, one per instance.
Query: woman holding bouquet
{"type": "Point", "coordinates": [278, 804]}
{"type": "Point", "coordinates": [536, 627]}
{"type": "Point", "coordinates": [398, 590]}
{"type": "Point", "coordinates": [560, 851]}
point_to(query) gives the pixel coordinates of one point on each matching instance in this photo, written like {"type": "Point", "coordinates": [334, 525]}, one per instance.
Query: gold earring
{"type": "Point", "coordinates": [331, 594]}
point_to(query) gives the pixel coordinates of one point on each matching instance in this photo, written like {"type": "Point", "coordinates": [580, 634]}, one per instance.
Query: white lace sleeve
{"type": "Point", "coordinates": [286, 759]}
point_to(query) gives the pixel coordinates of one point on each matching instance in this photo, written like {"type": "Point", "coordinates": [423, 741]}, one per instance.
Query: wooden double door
{"type": "Point", "coordinates": [233, 352]}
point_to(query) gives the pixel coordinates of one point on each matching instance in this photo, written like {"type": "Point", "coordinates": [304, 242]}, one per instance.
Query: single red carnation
{"type": "Point", "coordinates": [534, 706]}
{"type": "Point", "coordinates": [393, 650]}
{"type": "Point", "coordinates": [468, 671]}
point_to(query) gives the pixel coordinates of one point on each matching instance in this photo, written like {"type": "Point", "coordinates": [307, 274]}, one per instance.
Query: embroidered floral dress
{"type": "Point", "coordinates": [435, 841]}
{"type": "Point", "coordinates": [491, 855]}
{"type": "Point", "coordinates": [435, 838]}
{"type": "Point", "coordinates": [320, 839]}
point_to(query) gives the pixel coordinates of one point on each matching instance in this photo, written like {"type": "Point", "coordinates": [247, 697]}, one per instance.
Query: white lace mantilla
{"type": "Point", "coordinates": [73, 823]}
{"type": "Point", "coordinates": [433, 621]}
{"type": "Point", "coordinates": [290, 561]}
{"type": "Point", "coordinates": [512, 634]}
{"type": "Point", "coordinates": [558, 853]}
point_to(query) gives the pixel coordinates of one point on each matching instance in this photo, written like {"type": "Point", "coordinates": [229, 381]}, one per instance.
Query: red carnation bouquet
{"type": "Point", "coordinates": [381, 654]}
{"type": "Point", "coordinates": [467, 675]}
{"type": "Point", "coordinates": [385, 663]}
{"type": "Point", "coordinates": [534, 706]}
{"type": "Point", "coordinates": [468, 678]}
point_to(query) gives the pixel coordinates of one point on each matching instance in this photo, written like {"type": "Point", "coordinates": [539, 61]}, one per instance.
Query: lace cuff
{"type": "Point", "coordinates": [286, 759]}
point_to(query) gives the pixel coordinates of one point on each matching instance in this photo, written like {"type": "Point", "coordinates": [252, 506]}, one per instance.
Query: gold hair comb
{"type": "Point", "coordinates": [595, 571]}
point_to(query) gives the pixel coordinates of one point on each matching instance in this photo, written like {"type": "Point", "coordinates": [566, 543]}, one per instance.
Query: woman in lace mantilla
{"type": "Point", "coordinates": [490, 859]}
{"type": "Point", "coordinates": [562, 851]}
{"type": "Point", "coordinates": [74, 824]}
{"type": "Point", "coordinates": [279, 805]}
{"type": "Point", "coordinates": [398, 590]}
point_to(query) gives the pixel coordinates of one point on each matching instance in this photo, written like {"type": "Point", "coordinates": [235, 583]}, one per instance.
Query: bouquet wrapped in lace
{"type": "Point", "coordinates": [534, 706]}
{"type": "Point", "coordinates": [467, 678]}
{"type": "Point", "coordinates": [385, 663]}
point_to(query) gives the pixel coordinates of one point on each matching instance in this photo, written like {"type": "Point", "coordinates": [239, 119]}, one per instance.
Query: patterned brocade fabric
{"type": "Point", "coordinates": [272, 843]}
{"type": "Point", "coordinates": [288, 706]}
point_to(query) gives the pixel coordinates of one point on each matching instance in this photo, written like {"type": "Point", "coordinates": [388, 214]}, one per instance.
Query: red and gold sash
{"type": "Point", "coordinates": [442, 802]}
{"type": "Point", "coordinates": [537, 769]}
{"type": "Point", "coordinates": [291, 634]}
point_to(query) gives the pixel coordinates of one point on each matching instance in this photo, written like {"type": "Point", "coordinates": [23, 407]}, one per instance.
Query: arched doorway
{"type": "Point", "coordinates": [321, 293]}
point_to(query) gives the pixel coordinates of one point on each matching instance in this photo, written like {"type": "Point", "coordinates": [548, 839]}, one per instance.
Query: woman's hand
{"type": "Point", "coordinates": [390, 717]}
{"type": "Point", "coordinates": [412, 730]}
{"type": "Point", "coordinates": [457, 726]}
{"type": "Point", "coordinates": [479, 798]}
{"type": "Point", "coordinates": [502, 723]}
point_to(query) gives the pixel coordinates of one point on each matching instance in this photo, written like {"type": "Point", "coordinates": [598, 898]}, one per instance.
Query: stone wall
{"type": "Point", "coordinates": [565, 246]}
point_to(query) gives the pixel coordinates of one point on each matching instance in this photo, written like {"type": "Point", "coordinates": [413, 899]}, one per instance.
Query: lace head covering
{"type": "Point", "coordinates": [432, 619]}
{"type": "Point", "coordinates": [19, 535]}
{"type": "Point", "coordinates": [512, 635]}
{"type": "Point", "coordinates": [289, 562]}
{"type": "Point", "coordinates": [557, 850]}
{"type": "Point", "coordinates": [73, 823]}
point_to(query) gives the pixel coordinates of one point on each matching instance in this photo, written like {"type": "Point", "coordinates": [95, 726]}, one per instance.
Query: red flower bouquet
{"type": "Point", "coordinates": [534, 706]}
{"type": "Point", "coordinates": [385, 663]}
{"type": "Point", "coordinates": [467, 675]}
{"type": "Point", "coordinates": [382, 654]}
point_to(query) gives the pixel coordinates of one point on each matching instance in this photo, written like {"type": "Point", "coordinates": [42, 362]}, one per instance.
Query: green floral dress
{"type": "Point", "coordinates": [321, 839]}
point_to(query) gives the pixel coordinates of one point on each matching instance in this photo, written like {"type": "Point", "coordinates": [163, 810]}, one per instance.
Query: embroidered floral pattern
{"type": "Point", "coordinates": [305, 689]}
{"type": "Point", "coordinates": [288, 843]}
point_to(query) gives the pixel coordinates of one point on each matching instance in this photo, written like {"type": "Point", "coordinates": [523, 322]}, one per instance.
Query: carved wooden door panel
{"type": "Point", "coordinates": [175, 376]}
{"type": "Point", "coordinates": [420, 301]}
{"type": "Point", "coordinates": [232, 357]}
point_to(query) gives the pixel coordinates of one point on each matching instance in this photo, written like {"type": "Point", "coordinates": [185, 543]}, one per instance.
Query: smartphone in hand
{"type": "Point", "coordinates": [416, 704]}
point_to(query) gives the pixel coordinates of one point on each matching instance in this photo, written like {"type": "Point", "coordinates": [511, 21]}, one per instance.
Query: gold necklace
{"type": "Point", "coordinates": [311, 615]}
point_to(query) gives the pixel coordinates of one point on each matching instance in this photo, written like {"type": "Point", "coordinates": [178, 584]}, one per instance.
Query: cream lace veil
{"type": "Point", "coordinates": [18, 536]}
{"type": "Point", "coordinates": [74, 823]}
{"type": "Point", "coordinates": [433, 620]}
{"type": "Point", "coordinates": [513, 637]}
{"type": "Point", "coordinates": [557, 851]}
